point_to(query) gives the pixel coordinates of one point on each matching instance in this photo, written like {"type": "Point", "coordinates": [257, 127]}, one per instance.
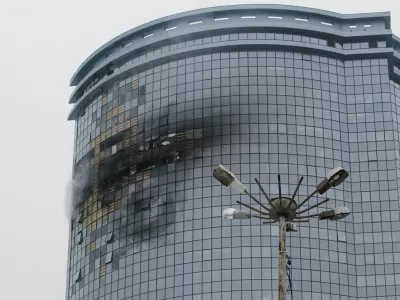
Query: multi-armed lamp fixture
{"type": "Point", "coordinates": [283, 209]}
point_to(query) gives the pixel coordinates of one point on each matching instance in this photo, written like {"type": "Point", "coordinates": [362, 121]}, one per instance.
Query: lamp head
{"type": "Point", "coordinates": [227, 178]}
{"type": "Point", "coordinates": [333, 178]}
{"type": "Point", "coordinates": [337, 176]}
{"type": "Point", "coordinates": [337, 213]}
{"type": "Point", "coordinates": [223, 175]}
{"type": "Point", "coordinates": [291, 227]}
{"type": "Point", "coordinates": [233, 213]}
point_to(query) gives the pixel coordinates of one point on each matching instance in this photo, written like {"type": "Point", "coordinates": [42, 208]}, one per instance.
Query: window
{"type": "Point", "coordinates": [77, 276]}
{"type": "Point", "coordinates": [92, 246]}
{"type": "Point", "coordinates": [109, 257]}
{"type": "Point", "coordinates": [103, 271]}
{"type": "Point", "coordinates": [248, 17]}
{"type": "Point", "coordinates": [142, 205]}
{"type": "Point", "coordinates": [79, 238]}
{"type": "Point", "coordinates": [341, 236]}
{"type": "Point", "coordinates": [373, 44]}
{"type": "Point", "coordinates": [149, 35]}
{"type": "Point", "coordinates": [79, 218]}
{"type": "Point", "coordinates": [196, 22]}
{"type": "Point", "coordinates": [170, 28]}
{"type": "Point", "coordinates": [109, 238]}
{"type": "Point", "coordinates": [274, 17]}
{"type": "Point", "coordinates": [142, 90]}
{"type": "Point", "coordinates": [327, 23]}
{"type": "Point", "coordinates": [301, 19]}
{"type": "Point", "coordinates": [382, 44]}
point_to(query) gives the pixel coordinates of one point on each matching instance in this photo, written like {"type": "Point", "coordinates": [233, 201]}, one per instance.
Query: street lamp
{"type": "Point", "coordinates": [232, 213]}
{"type": "Point", "coordinates": [335, 214]}
{"type": "Point", "coordinates": [333, 178]}
{"type": "Point", "coordinates": [227, 178]}
{"type": "Point", "coordinates": [283, 209]}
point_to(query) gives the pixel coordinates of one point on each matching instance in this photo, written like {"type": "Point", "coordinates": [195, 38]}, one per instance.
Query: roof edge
{"type": "Point", "coordinates": [216, 9]}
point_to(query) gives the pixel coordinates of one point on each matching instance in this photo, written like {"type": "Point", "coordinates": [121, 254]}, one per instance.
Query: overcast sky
{"type": "Point", "coordinates": [42, 42]}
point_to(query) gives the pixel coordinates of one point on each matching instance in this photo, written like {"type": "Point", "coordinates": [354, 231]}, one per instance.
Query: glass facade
{"type": "Point", "coordinates": [147, 220]}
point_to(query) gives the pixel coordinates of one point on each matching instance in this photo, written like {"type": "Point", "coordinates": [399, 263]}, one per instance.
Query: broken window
{"type": "Point", "coordinates": [79, 238]}
{"type": "Point", "coordinates": [109, 257]}
{"type": "Point", "coordinates": [114, 149]}
{"type": "Point", "coordinates": [109, 238]}
{"type": "Point", "coordinates": [77, 276]}
{"type": "Point", "coordinates": [142, 205]}
{"type": "Point", "coordinates": [79, 218]}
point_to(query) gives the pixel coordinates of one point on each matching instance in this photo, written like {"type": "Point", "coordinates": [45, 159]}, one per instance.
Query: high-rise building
{"type": "Point", "coordinates": [261, 89]}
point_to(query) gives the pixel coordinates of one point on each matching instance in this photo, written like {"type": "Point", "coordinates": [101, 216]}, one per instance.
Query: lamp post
{"type": "Point", "coordinates": [283, 209]}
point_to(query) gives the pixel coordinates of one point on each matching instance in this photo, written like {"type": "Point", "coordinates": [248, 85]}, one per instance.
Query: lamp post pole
{"type": "Point", "coordinates": [282, 258]}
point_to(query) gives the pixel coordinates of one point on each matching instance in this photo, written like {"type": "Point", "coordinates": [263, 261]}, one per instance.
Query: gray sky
{"type": "Point", "coordinates": [42, 43]}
